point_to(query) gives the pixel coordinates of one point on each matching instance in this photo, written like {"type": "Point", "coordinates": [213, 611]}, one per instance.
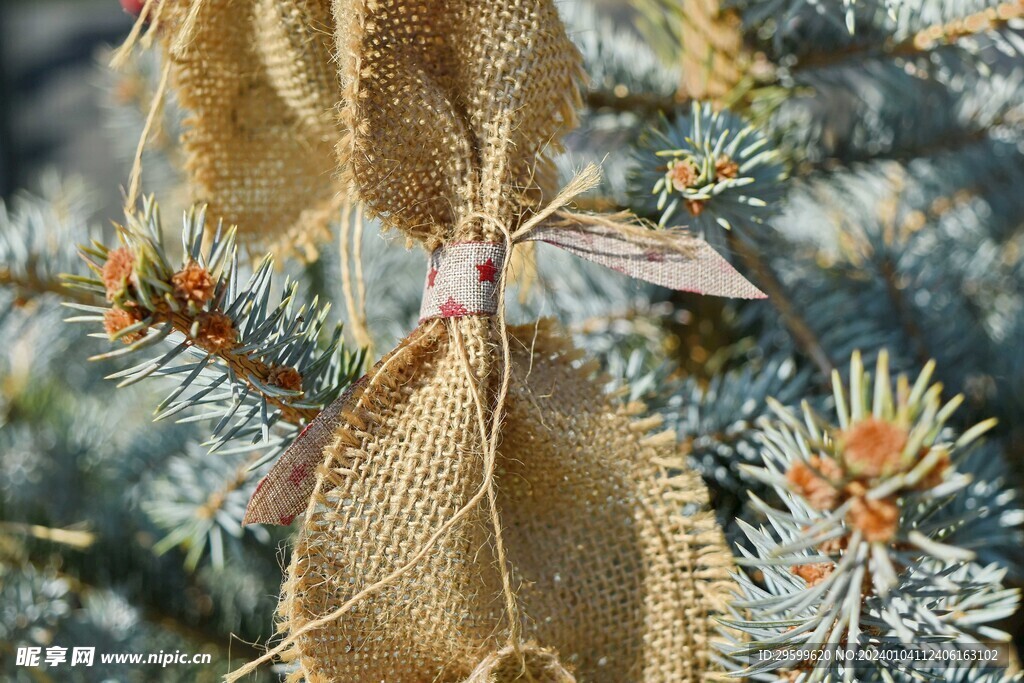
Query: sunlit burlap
{"type": "Point", "coordinates": [608, 571]}
{"type": "Point", "coordinates": [612, 561]}
{"type": "Point", "coordinates": [452, 107]}
{"type": "Point", "coordinates": [295, 40]}
{"type": "Point", "coordinates": [484, 513]}
{"type": "Point", "coordinates": [260, 87]}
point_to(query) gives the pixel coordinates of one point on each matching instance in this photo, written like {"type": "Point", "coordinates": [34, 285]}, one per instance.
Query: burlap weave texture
{"type": "Point", "coordinates": [608, 572]}
{"type": "Point", "coordinates": [453, 108]}
{"type": "Point", "coordinates": [456, 533]}
{"type": "Point", "coordinates": [259, 84]}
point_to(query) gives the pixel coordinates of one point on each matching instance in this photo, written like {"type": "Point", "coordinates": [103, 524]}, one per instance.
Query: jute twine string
{"type": "Point", "coordinates": [352, 281]}
{"type": "Point", "coordinates": [135, 177]}
{"type": "Point", "coordinates": [151, 12]}
{"type": "Point", "coordinates": [188, 28]}
{"type": "Point", "coordinates": [490, 459]}
{"type": "Point", "coordinates": [583, 181]}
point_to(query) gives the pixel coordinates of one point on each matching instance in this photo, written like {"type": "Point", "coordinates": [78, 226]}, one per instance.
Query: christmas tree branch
{"type": "Point", "coordinates": [199, 501]}
{"type": "Point", "coordinates": [640, 103]}
{"type": "Point", "coordinates": [248, 365]}
{"type": "Point", "coordinates": [624, 71]}
{"type": "Point", "coordinates": [174, 624]}
{"type": "Point", "coordinates": [948, 143]}
{"type": "Point", "coordinates": [38, 237]}
{"type": "Point", "coordinates": [215, 501]}
{"type": "Point", "coordinates": [713, 57]}
{"type": "Point", "coordinates": [766, 279]}
{"type": "Point", "coordinates": [74, 538]}
{"type": "Point", "coordinates": [910, 328]}
{"type": "Point", "coordinates": [921, 41]}
{"type": "Point", "coordinates": [29, 286]}
{"type": "Point", "coordinates": [878, 519]}
{"type": "Point", "coordinates": [257, 373]}
{"type": "Point", "coordinates": [150, 614]}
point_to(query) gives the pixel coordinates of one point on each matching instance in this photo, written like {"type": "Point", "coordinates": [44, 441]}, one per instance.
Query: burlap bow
{"type": "Point", "coordinates": [476, 509]}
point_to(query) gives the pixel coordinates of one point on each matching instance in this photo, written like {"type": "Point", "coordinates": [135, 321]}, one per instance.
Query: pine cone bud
{"type": "Point", "coordinates": [117, 271]}
{"type": "Point", "coordinates": [117, 319]}
{"type": "Point", "coordinates": [286, 377]}
{"type": "Point", "coordinates": [216, 332]}
{"type": "Point", "coordinates": [193, 284]}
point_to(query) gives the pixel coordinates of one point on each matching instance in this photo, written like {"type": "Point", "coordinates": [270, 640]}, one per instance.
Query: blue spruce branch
{"type": "Point", "coordinates": [872, 544]}
{"type": "Point", "coordinates": [258, 370]}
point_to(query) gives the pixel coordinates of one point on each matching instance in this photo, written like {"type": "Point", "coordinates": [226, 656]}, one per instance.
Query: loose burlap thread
{"type": "Point", "coordinates": [484, 514]}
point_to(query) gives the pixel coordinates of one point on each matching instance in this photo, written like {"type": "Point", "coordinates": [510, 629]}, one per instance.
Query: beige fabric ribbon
{"type": "Point", "coordinates": [463, 279]}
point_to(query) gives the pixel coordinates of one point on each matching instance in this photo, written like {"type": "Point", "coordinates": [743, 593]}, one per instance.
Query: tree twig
{"type": "Point", "coordinates": [642, 103]}
{"type": "Point", "coordinates": [923, 41]}
{"type": "Point", "coordinates": [804, 336]}
{"type": "Point", "coordinates": [33, 286]}
{"type": "Point", "coordinates": [243, 366]}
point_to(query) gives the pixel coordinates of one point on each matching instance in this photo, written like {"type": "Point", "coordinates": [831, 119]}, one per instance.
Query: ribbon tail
{"type": "Point", "coordinates": [671, 259]}
{"type": "Point", "coordinates": [284, 493]}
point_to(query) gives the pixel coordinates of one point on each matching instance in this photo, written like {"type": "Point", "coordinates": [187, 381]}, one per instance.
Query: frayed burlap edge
{"type": "Point", "coordinates": [707, 568]}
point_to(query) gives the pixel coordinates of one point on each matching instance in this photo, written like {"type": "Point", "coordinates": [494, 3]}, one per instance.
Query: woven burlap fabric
{"type": "Point", "coordinates": [295, 39]}
{"type": "Point", "coordinates": [259, 86]}
{"type": "Point", "coordinates": [597, 560]}
{"type": "Point", "coordinates": [613, 582]}
{"type": "Point", "coordinates": [453, 107]}
{"type": "Point", "coordinates": [450, 108]}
